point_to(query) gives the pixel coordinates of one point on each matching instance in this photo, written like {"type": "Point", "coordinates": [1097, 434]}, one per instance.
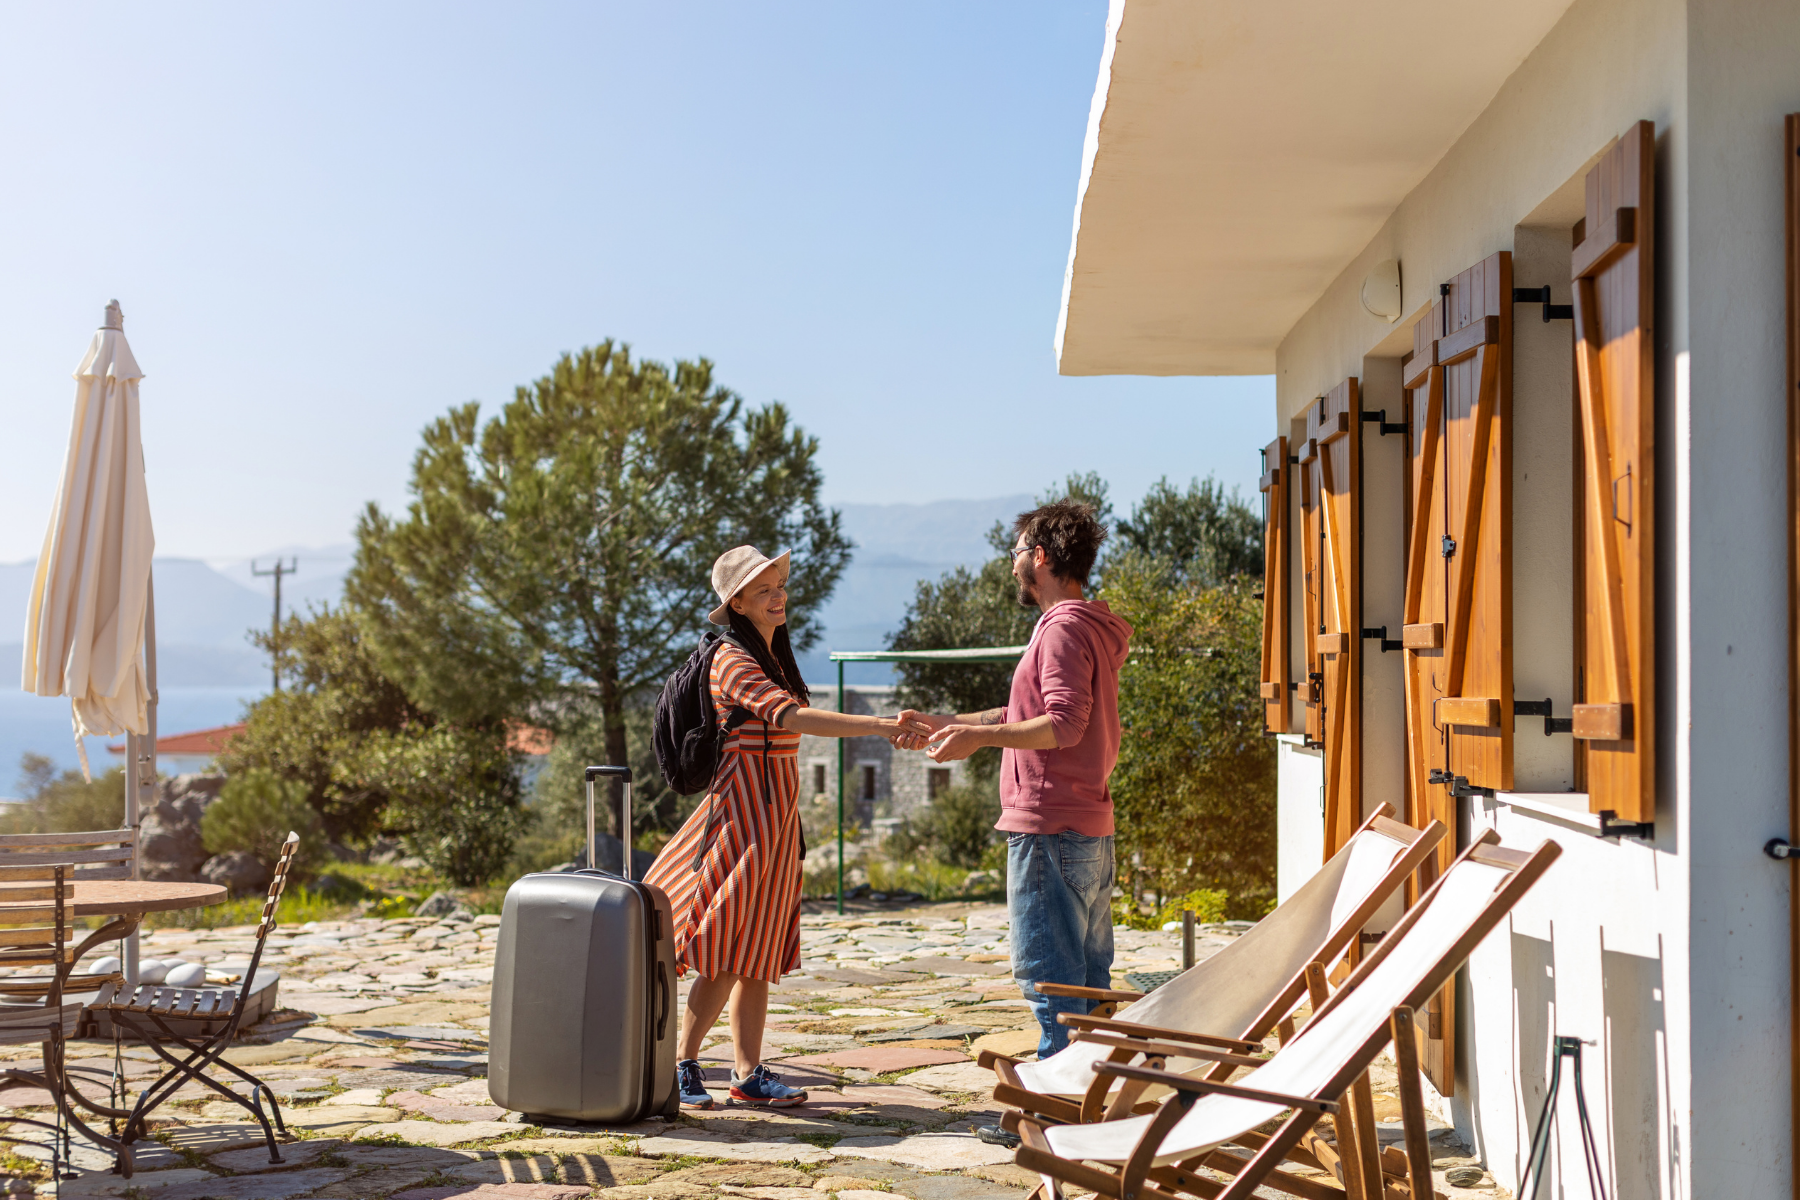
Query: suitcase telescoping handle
{"type": "Point", "coordinates": [623, 773]}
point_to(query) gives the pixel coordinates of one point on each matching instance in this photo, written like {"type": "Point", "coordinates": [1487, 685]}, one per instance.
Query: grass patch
{"type": "Point", "coordinates": [298, 906]}
{"type": "Point", "coordinates": [382, 1139]}
{"type": "Point", "coordinates": [823, 1141]}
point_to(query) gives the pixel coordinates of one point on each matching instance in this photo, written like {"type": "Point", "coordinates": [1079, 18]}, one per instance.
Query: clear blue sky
{"type": "Point", "coordinates": [328, 222]}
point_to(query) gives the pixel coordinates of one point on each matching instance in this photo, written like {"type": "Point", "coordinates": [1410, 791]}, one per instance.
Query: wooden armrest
{"type": "Point", "coordinates": [1104, 995]}
{"type": "Point", "coordinates": [1132, 1029]}
{"type": "Point", "coordinates": [1203, 1087]}
{"type": "Point", "coordinates": [1168, 1049]}
{"type": "Point", "coordinates": [987, 1058]}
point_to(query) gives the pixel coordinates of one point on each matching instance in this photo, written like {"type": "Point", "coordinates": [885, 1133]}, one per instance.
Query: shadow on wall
{"type": "Point", "coordinates": [1534, 1009]}
{"type": "Point", "coordinates": [1636, 1071]}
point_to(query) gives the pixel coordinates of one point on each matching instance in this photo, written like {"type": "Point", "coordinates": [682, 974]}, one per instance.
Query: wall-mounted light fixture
{"type": "Point", "coordinates": [1381, 291]}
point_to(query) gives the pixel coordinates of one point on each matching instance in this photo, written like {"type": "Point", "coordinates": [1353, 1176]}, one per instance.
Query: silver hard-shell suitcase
{"type": "Point", "coordinates": [583, 1021]}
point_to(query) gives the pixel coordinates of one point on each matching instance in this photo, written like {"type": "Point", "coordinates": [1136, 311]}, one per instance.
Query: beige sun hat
{"type": "Point", "coordinates": [733, 569]}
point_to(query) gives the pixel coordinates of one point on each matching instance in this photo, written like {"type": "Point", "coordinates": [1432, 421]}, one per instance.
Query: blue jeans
{"type": "Point", "coordinates": [1059, 899]}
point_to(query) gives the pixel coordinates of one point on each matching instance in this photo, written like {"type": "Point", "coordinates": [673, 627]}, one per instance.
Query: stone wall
{"type": "Point", "coordinates": [902, 777]}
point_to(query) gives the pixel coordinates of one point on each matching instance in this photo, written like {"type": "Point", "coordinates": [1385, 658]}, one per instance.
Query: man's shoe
{"type": "Point", "coordinates": [993, 1135]}
{"type": "Point", "coordinates": [692, 1085]}
{"type": "Point", "coordinates": [762, 1087]}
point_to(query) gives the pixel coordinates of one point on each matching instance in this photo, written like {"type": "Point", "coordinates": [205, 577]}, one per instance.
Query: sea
{"type": "Point", "coordinates": [40, 725]}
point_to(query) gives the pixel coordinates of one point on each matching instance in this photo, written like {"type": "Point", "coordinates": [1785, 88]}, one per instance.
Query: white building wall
{"type": "Point", "coordinates": [1673, 956]}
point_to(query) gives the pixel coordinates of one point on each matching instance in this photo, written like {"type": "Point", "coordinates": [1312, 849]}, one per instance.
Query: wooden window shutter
{"type": "Point", "coordinates": [1277, 669]}
{"type": "Point", "coordinates": [1331, 469]}
{"type": "Point", "coordinates": [1615, 375]}
{"type": "Point", "coordinates": [1458, 603]}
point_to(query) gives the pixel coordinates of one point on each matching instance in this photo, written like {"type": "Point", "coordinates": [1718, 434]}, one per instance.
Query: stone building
{"type": "Point", "coordinates": [882, 782]}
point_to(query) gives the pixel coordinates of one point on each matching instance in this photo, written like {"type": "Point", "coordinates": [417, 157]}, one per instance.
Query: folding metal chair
{"type": "Point", "coordinates": [215, 1013]}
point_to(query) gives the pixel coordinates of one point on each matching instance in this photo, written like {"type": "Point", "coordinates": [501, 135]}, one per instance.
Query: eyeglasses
{"type": "Point", "coordinates": [1018, 550]}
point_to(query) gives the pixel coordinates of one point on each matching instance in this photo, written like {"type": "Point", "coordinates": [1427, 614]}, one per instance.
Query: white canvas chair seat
{"type": "Point", "coordinates": [1226, 995]}
{"type": "Point", "coordinates": [1327, 1050]}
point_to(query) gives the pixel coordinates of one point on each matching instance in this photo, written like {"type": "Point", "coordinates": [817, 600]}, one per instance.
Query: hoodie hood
{"type": "Point", "coordinates": [1109, 633]}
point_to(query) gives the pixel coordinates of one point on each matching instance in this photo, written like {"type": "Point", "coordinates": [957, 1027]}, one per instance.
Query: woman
{"type": "Point", "coordinates": [733, 871]}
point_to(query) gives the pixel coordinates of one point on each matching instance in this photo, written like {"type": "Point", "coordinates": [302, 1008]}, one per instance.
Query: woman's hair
{"type": "Point", "coordinates": [775, 656]}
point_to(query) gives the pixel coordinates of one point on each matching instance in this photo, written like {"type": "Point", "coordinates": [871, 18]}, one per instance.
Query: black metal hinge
{"type": "Point", "coordinates": [1612, 827]}
{"type": "Point", "coordinates": [1552, 312]}
{"type": "Point", "coordinates": [1380, 635]}
{"type": "Point", "coordinates": [1380, 417]}
{"type": "Point", "coordinates": [1447, 547]}
{"type": "Point", "coordinates": [1541, 708]}
{"type": "Point", "coordinates": [1458, 784]}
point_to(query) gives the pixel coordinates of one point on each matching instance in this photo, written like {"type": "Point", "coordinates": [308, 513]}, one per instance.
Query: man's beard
{"type": "Point", "coordinates": [1027, 596]}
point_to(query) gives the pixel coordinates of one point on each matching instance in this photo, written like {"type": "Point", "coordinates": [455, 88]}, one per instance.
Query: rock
{"type": "Point", "coordinates": [1015, 1043]}
{"type": "Point", "coordinates": [930, 1151]}
{"type": "Point", "coordinates": [1464, 1176]}
{"type": "Point", "coordinates": [741, 1175]}
{"type": "Point", "coordinates": [254, 1160]}
{"type": "Point", "coordinates": [956, 1187]}
{"type": "Point", "coordinates": [431, 1133]}
{"type": "Point", "coordinates": [598, 1169]}
{"type": "Point", "coordinates": [847, 1183]}
{"type": "Point", "coordinates": [277, 1186]}
{"type": "Point", "coordinates": [880, 1059]}
{"type": "Point", "coordinates": [237, 871]}
{"type": "Point", "coordinates": [340, 1120]}
{"type": "Point", "coordinates": [955, 1077]}
{"type": "Point", "coordinates": [713, 1145]}
{"type": "Point", "coordinates": [980, 881]}
{"type": "Point", "coordinates": [169, 845]}
{"type": "Point", "coordinates": [186, 975]}
{"type": "Point", "coordinates": [440, 904]}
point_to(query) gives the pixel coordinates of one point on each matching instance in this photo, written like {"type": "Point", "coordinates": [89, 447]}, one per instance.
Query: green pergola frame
{"type": "Point", "coordinates": [977, 654]}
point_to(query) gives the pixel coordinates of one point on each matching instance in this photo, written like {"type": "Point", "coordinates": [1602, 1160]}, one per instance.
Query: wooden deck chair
{"type": "Point", "coordinates": [36, 921]}
{"type": "Point", "coordinates": [1238, 996]}
{"type": "Point", "coordinates": [145, 1014]}
{"type": "Point", "coordinates": [101, 854]}
{"type": "Point", "coordinates": [1174, 1151]}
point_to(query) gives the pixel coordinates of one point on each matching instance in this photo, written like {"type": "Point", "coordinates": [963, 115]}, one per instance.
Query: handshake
{"type": "Point", "coordinates": [943, 738]}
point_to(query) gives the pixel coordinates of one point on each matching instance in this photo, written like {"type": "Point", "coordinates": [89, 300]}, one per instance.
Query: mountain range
{"type": "Point", "coordinates": [206, 609]}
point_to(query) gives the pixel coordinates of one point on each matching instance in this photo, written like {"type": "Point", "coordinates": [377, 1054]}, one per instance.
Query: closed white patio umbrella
{"type": "Point", "coordinates": [90, 630]}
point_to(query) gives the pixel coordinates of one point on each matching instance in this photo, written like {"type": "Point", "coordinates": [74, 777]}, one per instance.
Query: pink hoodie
{"type": "Point", "coordinates": [1071, 672]}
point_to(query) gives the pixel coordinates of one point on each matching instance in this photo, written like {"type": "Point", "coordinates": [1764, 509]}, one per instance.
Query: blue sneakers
{"type": "Point", "coordinates": [764, 1088]}
{"type": "Point", "coordinates": [692, 1085]}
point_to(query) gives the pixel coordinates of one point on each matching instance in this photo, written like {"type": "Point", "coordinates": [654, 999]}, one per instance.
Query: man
{"type": "Point", "coordinates": [1060, 737]}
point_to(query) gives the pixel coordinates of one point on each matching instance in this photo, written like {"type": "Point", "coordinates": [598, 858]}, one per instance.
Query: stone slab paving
{"type": "Point", "coordinates": [379, 1058]}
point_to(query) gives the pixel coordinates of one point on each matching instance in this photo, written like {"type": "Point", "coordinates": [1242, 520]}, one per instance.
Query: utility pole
{"type": "Point", "coordinates": [279, 570]}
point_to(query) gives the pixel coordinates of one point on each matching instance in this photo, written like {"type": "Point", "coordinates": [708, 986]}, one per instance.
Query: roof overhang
{"type": "Point", "coordinates": [1239, 155]}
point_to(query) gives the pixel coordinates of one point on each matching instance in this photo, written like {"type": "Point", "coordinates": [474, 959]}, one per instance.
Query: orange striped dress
{"type": "Point", "coordinates": [732, 873]}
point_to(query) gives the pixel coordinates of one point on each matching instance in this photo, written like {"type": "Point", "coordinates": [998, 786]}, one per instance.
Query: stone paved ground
{"type": "Point", "coordinates": [379, 1059]}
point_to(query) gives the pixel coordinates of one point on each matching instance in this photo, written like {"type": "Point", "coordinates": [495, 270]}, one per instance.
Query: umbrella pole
{"type": "Point", "coordinates": [142, 773]}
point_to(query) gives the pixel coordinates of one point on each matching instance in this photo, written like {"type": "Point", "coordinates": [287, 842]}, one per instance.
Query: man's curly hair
{"type": "Point", "coordinates": [1070, 535]}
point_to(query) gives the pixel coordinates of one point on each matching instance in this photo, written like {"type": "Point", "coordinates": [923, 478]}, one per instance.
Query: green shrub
{"type": "Point", "coordinates": [1210, 906]}
{"type": "Point", "coordinates": [255, 812]}
{"type": "Point", "coordinates": [65, 803]}
{"type": "Point", "coordinates": [957, 828]}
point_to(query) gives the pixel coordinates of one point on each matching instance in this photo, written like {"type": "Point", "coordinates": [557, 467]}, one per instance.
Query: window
{"type": "Point", "coordinates": [868, 782]}
{"type": "Point", "coordinates": [937, 781]}
{"type": "Point", "coordinates": [818, 779]}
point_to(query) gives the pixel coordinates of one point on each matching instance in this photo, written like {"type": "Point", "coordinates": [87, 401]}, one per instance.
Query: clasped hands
{"type": "Point", "coordinates": [942, 738]}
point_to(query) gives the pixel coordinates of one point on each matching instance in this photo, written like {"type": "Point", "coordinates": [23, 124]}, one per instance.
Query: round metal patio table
{"type": "Point", "coordinates": [132, 898]}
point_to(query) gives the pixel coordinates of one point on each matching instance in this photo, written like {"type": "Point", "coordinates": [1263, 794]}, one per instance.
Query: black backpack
{"type": "Point", "coordinates": [686, 734]}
